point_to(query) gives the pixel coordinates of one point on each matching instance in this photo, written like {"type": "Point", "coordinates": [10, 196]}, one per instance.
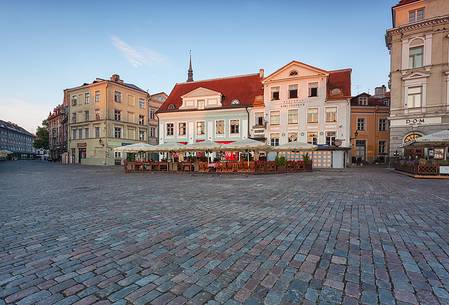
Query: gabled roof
{"type": "Point", "coordinates": [373, 101]}
{"type": "Point", "coordinates": [295, 62]}
{"type": "Point", "coordinates": [14, 127]}
{"type": "Point", "coordinates": [339, 84]}
{"type": "Point", "coordinates": [244, 88]}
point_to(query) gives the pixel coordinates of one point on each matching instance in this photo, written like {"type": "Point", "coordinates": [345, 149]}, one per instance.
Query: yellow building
{"type": "Point", "coordinates": [103, 115]}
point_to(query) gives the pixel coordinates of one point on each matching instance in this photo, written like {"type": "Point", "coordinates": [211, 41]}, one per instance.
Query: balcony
{"type": "Point", "coordinates": [258, 132]}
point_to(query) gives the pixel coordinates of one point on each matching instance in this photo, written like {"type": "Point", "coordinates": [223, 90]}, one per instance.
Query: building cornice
{"type": "Point", "coordinates": [415, 26]}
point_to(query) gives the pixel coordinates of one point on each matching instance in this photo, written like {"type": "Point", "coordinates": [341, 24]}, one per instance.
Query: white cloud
{"type": "Point", "coordinates": [25, 114]}
{"type": "Point", "coordinates": [137, 56]}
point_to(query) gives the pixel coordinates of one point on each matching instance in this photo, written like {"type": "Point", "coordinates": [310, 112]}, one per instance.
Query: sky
{"type": "Point", "coordinates": [47, 46]}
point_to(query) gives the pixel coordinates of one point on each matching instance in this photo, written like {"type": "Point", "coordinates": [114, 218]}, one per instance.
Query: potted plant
{"type": "Point", "coordinates": [307, 162]}
{"type": "Point", "coordinates": [281, 163]}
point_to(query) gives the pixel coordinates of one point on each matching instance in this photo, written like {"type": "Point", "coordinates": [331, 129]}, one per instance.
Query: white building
{"type": "Point", "coordinates": [215, 109]}
{"type": "Point", "coordinates": [308, 104]}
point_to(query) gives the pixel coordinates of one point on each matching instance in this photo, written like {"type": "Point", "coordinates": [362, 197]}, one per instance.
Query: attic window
{"type": "Point", "coordinates": [171, 107]}
{"type": "Point", "coordinates": [293, 73]}
{"type": "Point", "coordinates": [235, 102]}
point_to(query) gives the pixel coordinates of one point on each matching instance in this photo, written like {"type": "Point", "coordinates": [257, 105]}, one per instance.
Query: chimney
{"type": "Point", "coordinates": [261, 73]}
{"type": "Point", "coordinates": [116, 78]}
{"type": "Point", "coordinates": [380, 91]}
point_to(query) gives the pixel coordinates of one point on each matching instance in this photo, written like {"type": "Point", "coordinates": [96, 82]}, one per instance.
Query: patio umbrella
{"type": "Point", "coordinates": [4, 153]}
{"type": "Point", "coordinates": [437, 138]}
{"type": "Point", "coordinates": [295, 146]}
{"type": "Point", "coordinates": [134, 148]}
{"type": "Point", "coordinates": [246, 144]}
{"type": "Point", "coordinates": [167, 147]}
{"type": "Point", "coordinates": [203, 146]}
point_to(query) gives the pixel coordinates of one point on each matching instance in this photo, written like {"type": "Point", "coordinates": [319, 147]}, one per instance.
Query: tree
{"type": "Point", "coordinates": [41, 140]}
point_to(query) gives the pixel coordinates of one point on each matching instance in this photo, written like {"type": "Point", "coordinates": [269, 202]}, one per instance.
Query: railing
{"type": "Point", "coordinates": [418, 167]}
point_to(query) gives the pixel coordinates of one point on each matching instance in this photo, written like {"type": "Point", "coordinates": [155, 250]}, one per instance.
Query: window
{"type": "Point", "coordinates": [97, 96]}
{"type": "Point", "coordinates": [141, 135]}
{"type": "Point", "coordinates": [312, 138]}
{"type": "Point", "coordinates": [200, 104]}
{"type": "Point", "coordinates": [141, 103]}
{"type": "Point", "coordinates": [292, 137]}
{"type": "Point", "coordinates": [293, 73]}
{"type": "Point", "coordinates": [274, 139]}
{"type": "Point", "coordinates": [152, 113]}
{"type": "Point", "coordinates": [331, 114]}
{"type": "Point", "coordinates": [274, 117]}
{"type": "Point", "coordinates": [97, 132]}
{"type": "Point", "coordinates": [258, 118]}
{"type": "Point", "coordinates": [117, 115]}
{"type": "Point", "coordinates": [86, 133]}
{"type": "Point", "coordinates": [200, 128]}
{"type": "Point", "coordinates": [182, 129]}
{"type": "Point", "coordinates": [86, 98]}
{"type": "Point", "coordinates": [73, 134]}
{"type": "Point", "coordinates": [74, 100]}
{"type": "Point", "coordinates": [415, 57]}
{"type": "Point", "coordinates": [219, 127]}
{"type": "Point", "coordinates": [235, 102]}
{"type": "Point", "coordinates": [363, 101]}
{"type": "Point", "coordinates": [416, 15]}
{"type": "Point", "coordinates": [141, 119]}
{"type": "Point", "coordinates": [313, 89]}
{"type": "Point", "coordinates": [171, 107]}
{"type": "Point", "coordinates": [170, 129]}
{"type": "Point", "coordinates": [382, 124]}
{"type": "Point", "coordinates": [117, 132]}
{"type": "Point", "coordinates": [414, 97]}
{"type": "Point", "coordinates": [80, 133]}
{"type": "Point", "coordinates": [293, 91]}
{"type": "Point", "coordinates": [152, 132]}
{"type": "Point", "coordinates": [312, 115]}
{"type": "Point", "coordinates": [86, 115]}
{"type": "Point", "coordinates": [117, 96]}
{"type": "Point", "coordinates": [382, 146]}
{"type": "Point", "coordinates": [234, 126]}
{"type": "Point", "coordinates": [330, 138]}
{"type": "Point", "coordinates": [97, 114]}
{"type": "Point", "coordinates": [274, 93]}
{"type": "Point", "coordinates": [360, 124]}
{"type": "Point", "coordinates": [293, 116]}
{"type": "Point", "coordinates": [73, 117]}
{"type": "Point", "coordinates": [117, 154]}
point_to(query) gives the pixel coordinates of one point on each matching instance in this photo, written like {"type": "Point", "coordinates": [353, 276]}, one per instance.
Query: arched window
{"type": "Point", "coordinates": [171, 107]}
{"type": "Point", "coordinates": [416, 53]}
{"type": "Point", "coordinates": [293, 73]}
{"type": "Point", "coordinates": [235, 102]}
{"type": "Point", "coordinates": [411, 137]}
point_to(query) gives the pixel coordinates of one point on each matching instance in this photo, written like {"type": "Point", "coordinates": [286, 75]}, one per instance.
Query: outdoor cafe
{"type": "Point", "coordinates": [242, 156]}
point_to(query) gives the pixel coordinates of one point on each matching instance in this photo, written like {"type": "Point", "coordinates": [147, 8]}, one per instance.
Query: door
{"type": "Point", "coordinates": [81, 154]}
{"type": "Point", "coordinates": [360, 150]}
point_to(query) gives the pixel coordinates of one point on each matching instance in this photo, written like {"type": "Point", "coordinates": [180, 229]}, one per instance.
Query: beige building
{"type": "Point", "coordinates": [419, 47]}
{"type": "Point", "coordinates": [103, 115]}
{"type": "Point", "coordinates": [155, 101]}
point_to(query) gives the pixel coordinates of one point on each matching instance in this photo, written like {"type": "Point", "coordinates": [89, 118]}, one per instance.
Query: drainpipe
{"type": "Point", "coordinates": [246, 108]}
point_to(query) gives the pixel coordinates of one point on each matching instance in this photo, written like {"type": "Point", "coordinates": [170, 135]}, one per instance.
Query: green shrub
{"type": "Point", "coordinates": [281, 161]}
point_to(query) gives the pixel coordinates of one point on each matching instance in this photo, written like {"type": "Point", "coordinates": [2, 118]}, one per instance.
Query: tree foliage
{"type": "Point", "coordinates": [41, 140]}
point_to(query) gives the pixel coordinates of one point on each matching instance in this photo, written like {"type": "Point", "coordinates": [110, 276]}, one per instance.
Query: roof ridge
{"type": "Point", "coordinates": [341, 70]}
{"type": "Point", "coordinates": [218, 78]}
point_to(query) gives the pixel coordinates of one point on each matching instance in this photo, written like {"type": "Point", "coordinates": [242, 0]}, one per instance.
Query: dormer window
{"type": "Point", "coordinates": [171, 107]}
{"type": "Point", "coordinates": [363, 101]}
{"type": "Point", "coordinates": [293, 73]}
{"type": "Point", "coordinates": [235, 102]}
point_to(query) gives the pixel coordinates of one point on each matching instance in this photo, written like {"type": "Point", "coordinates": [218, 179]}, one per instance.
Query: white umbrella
{"type": "Point", "coordinates": [440, 137]}
{"type": "Point", "coordinates": [134, 148]}
{"type": "Point", "coordinates": [167, 147]}
{"type": "Point", "coordinates": [295, 146]}
{"type": "Point", "coordinates": [246, 144]}
{"type": "Point", "coordinates": [203, 146]}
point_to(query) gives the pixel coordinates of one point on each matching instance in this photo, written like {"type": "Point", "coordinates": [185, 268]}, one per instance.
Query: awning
{"type": "Point", "coordinates": [134, 148]}
{"type": "Point", "coordinates": [295, 146]}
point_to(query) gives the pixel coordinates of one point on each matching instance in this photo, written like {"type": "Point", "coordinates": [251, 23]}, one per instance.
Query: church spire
{"type": "Point", "coordinates": [190, 72]}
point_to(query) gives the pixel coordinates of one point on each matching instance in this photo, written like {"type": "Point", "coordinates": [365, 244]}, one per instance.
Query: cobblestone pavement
{"type": "Point", "coordinates": [84, 235]}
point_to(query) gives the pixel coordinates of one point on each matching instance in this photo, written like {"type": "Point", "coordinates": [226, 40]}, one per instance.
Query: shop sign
{"type": "Point", "coordinates": [444, 170]}
{"type": "Point", "coordinates": [292, 103]}
{"type": "Point", "coordinates": [81, 145]}
{"type": "Point", "coordinates": [415, 121]}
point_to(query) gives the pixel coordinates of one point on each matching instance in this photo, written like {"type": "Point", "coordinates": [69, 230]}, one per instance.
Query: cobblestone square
{"type": "Point", "coordinates": [95, 235]}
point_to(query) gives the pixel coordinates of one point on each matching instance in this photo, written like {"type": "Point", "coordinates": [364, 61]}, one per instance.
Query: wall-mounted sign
{"type": "Point", "coordinates": [415, 121]}
{"type": "Point", "coordinates": [444, 170]}
{"type": "Point", "coordinates": [81, 145]}
{"type": "Point", "coordinates": [292, 103]}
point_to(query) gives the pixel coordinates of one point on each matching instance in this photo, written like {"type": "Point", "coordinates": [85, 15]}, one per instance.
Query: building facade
{"type": "Point", "coordinates": [370, 135]}
{"type": "Point", "coordinates": [310, 105]}
{"type": "Point", "coordinates": [57, 133]}
{"type": "Point", "coordinates": [17, 140]}
{"type": "Point", "coordinates": [103, 115]}
{"type": "Point", "coordinates": [154, 103]}
{"type": "Point", "coordinates": [216, 109]}
{"type": "Point", "coordinates": [419, 48]}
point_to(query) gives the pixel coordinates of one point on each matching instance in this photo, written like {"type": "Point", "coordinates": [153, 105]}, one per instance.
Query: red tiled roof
{"type": "Point", "coordinates": [372, 100]}
{"type": "Point", "coordinates": [404, 2]}
{"type": "Point", "coordinates": [340, 80]}
{"type": "Point", "coordinates": [244, 88]}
